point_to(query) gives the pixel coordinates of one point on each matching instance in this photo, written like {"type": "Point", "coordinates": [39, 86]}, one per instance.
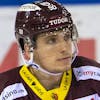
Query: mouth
{"type": "Point", "coordinates": [68, 58]}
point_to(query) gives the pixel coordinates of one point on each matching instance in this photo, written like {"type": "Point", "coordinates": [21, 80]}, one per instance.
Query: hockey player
{"type": "Point", "coordinates": [48, 39]}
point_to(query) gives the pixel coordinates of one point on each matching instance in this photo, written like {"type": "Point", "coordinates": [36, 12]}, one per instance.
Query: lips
{"type": "Point", "coordinates": [64, 58]}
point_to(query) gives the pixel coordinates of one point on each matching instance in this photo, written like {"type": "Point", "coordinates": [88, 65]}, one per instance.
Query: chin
{"type": "Point", "coordinates": [60, 70]}
{"type": "Point", "coordinates": [66, 68]}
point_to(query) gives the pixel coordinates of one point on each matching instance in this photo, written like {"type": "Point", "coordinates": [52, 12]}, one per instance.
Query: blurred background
{"type": "Point", "coordinates": [86, 16]}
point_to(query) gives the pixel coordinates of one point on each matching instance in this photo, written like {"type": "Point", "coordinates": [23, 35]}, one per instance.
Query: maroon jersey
{"type": "Point", "coordinates": [85, 83]}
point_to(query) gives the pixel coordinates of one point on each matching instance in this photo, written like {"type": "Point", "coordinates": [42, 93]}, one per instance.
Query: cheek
{"type": "Point", "coordinates": [46, 57]}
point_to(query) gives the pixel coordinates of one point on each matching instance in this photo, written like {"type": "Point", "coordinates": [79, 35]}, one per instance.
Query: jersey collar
{"type": "Point", "coordinates": [54, 94]}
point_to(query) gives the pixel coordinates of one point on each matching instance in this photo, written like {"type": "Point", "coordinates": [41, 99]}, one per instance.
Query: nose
{"type": "Point", "coordinates": [64, 47]}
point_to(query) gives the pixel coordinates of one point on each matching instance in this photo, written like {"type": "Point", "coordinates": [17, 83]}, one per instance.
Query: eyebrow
{"type": "Point", "coordinates": [48, 36]}
{"type": "Point", "coordinates": [51, 36]}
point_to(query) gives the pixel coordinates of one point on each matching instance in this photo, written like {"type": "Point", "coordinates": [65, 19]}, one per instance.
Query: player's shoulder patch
{"type": "Point", "coordinates": [90, 97]}
{"type": "Point", "coordinates": [87, 72]}
{"type": "Point", "coordinates": [13, 91]}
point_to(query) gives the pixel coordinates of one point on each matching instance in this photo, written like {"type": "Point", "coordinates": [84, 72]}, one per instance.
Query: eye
{"type": "Point", "coordinates": [67, 37]}
{"type": "Point", "coordinates": [52, 40]}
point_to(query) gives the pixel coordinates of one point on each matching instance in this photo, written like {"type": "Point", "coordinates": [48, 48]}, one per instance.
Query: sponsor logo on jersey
{"type": "Point", "coordinates": [12, 92]}
{"type": "Point", "coordinates": [58, 21]}
{"type": "Point", "coordinates": [87, 72]}
{"type": "Point", "coordinates": [90, 97]}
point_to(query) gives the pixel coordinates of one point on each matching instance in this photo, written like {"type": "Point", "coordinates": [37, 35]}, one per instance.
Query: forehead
{"type": "Point", "coordinates": [55, 33]}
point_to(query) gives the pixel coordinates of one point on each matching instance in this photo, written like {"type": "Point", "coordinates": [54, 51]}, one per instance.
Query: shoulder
{"type": "Point", "coordinates": [86, 69]}
{"type": "Point", "coordinates": [10, 73]}
{"type": "Point", "coordinates": [83, 61]}
{"type": "Point", "coordinates": [10, 85]}
{"type": "Point", "coordinates": [9, 77]}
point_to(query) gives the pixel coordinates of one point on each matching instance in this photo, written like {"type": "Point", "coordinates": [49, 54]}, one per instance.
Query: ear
{"type": "Point", "coordinates": [26, 47]}
{"type": "Point", "coordinates": [26, 52]}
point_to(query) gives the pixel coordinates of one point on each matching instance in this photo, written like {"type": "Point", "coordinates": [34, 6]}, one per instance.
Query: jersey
{"type": "Point", "coordinates": [85, 83]}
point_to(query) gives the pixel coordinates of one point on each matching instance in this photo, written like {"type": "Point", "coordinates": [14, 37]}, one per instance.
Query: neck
{"type": "Point", "coordinates": [48, 81]}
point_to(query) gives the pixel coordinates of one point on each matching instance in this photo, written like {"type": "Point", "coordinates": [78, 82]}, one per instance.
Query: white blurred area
{"type": "Point", "coordinates": [7, 20]}
{"type": "Point", "coordinates": [86, 18]}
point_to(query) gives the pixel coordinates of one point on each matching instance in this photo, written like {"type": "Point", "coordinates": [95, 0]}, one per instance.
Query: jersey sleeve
{"type": "Point", "coordinates": [87, 70]}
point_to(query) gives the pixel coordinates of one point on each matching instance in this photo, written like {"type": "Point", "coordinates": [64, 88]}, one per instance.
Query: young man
{"type": "Point", "coordinates": [52, 70]}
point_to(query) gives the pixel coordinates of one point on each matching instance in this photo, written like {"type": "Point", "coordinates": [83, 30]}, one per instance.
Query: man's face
{"type": "Point", "coordinates": [53, 51]}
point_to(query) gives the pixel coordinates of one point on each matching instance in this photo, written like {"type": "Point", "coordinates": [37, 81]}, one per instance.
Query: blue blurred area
{"type": "Point", "coordinates": [19, 2]}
